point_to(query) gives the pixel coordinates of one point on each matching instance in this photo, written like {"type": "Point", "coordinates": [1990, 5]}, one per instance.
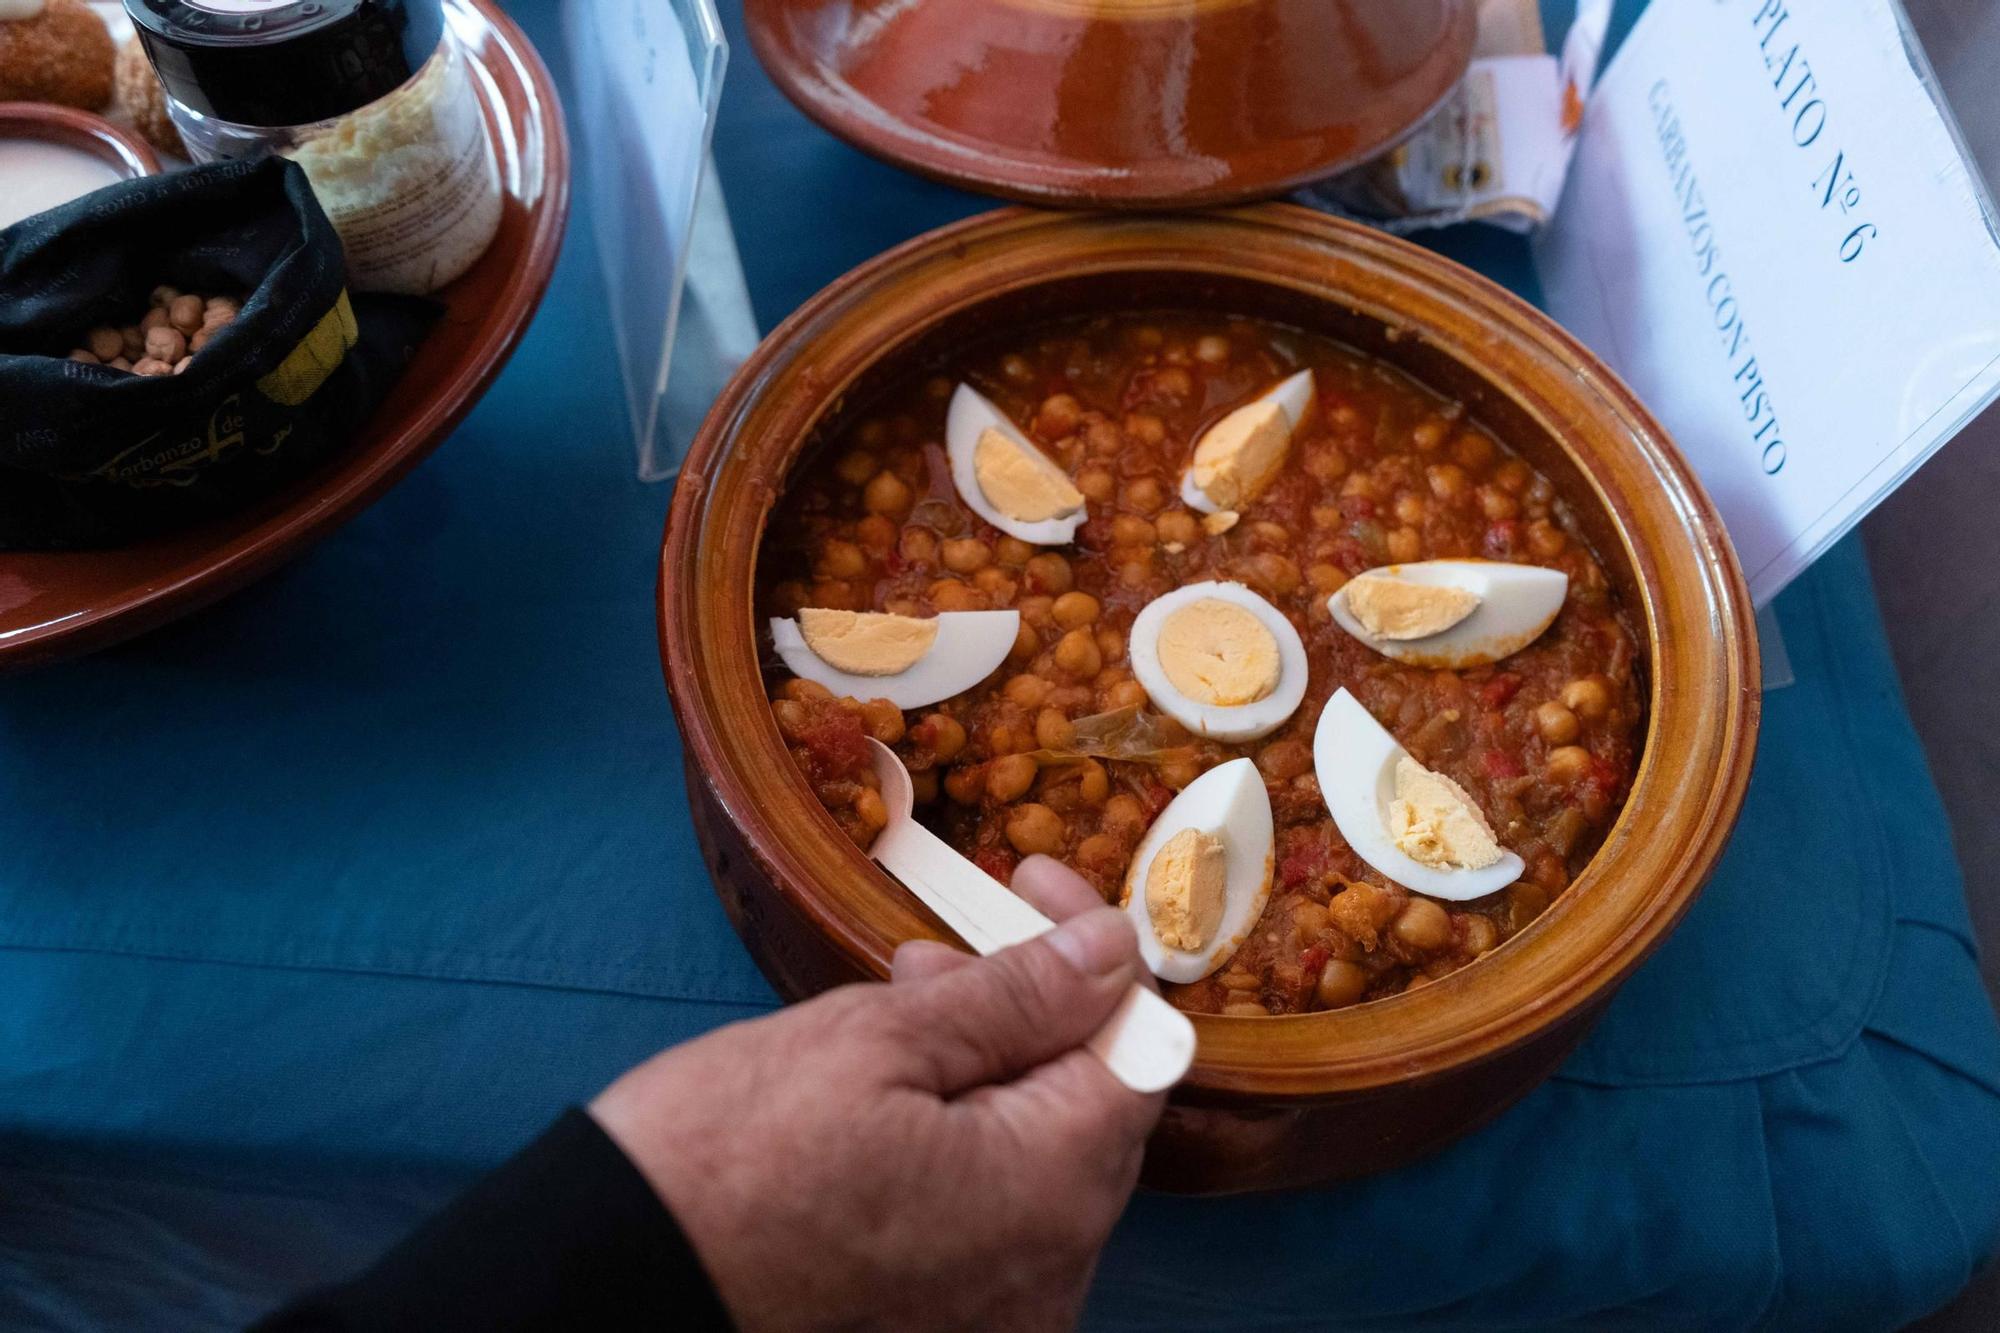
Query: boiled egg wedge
{"type": "Point", "coordinates": [1450, 613]}
{"type": "Point", "coordinates": [1417, 827]}
{"type": "Point", "coordinates": [909, 661]}
{"type": "Point", "coordinates": [1219, 660]}
{"type": "Point", "coordinates": [1202, 873]}
{"type": "Point", "coordinates": [1239, 455]}
{"type": "Point", "coordinates": [1004, 478]}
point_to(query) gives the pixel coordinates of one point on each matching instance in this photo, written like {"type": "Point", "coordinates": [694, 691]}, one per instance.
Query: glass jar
{"type": "Point", "coordinates": [371, 97]}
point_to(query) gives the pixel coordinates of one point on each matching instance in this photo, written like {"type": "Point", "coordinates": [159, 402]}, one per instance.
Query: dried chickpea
{"type": "Point", "coordinates": [151, 365]}
{"type": "Point", "coordinates": [887, 494]}
{"type": "Point", "coordinates": [186, 314]}
{"type": "Point", "coordinates": [156, 318]}
{"type": "Point", "coordinates": [1049, 572]}
{"type": "Point", "coordinates": [1074, 610]}
{"type": "Point", "coordinates": [1009, 777]}
{"type": "Point", "coordinates": [105, 344]}
{"type": "Point", "coordinates": [1077, 653]}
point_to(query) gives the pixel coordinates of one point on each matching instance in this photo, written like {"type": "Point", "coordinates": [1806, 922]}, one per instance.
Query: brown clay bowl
{"type": "Point", "coordinates": [1117, 103]}
{"type": "Point", "coordinates": [58, 604]}
{"type": "Point", "coordinates": [1271, 1101]}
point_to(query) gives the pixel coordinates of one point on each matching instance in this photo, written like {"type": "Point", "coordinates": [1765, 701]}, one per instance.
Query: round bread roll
{"type": "Point", "coordinates": [144, 100]}
{"type": "Point", "coordinates": [61, 54]}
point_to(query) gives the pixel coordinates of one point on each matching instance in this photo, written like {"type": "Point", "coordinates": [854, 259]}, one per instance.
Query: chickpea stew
{"type": "Point", "coordinates": [1063, 751]}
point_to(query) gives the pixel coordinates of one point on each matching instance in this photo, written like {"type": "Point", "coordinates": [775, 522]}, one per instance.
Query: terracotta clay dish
{"type": "Point", "coordinates": [59, 604]}
{"type": "Point", "coordinates": [121, 148]}
{"type": "Point", "coordinates": [1456, 423]}
{"type": "Point", "coordinates": [1117, 103]}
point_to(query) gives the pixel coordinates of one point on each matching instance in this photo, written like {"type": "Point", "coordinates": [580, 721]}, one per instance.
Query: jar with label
{"type": "Point", "coordinates": [371, 97]}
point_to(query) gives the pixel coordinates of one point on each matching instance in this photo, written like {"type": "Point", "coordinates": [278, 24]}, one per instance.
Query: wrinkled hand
{"type": "Point", "coordinates": [939, 1152]}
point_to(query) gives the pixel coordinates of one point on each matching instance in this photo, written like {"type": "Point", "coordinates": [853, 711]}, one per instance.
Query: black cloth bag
{"type": "Point", "coordinates": [91, 456]}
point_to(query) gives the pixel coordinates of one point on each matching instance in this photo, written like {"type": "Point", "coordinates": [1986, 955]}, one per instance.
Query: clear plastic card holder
{"type": "Point", "coordinates": [646, 75]}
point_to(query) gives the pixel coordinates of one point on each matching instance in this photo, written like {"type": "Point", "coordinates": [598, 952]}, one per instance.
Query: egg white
{"type": "Point", "coordinates": [969, 646]}
{"type": "Point", "coordinates": [1293, 395]}
{"type": "Point", "coordinates": [1242, 722]}
{"type": "Point", "coordinates": [1354, 757]}
{"type": "Point", "coordinates": [971, 415]}
{"type": "Point", "coordinates": [1228, 803]}
{"type": "Point", "coordinates": [1517, 603]}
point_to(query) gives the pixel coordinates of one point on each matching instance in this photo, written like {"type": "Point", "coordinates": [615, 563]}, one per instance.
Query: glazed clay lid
{"type": "Point", "coordinates": [1117, 103]}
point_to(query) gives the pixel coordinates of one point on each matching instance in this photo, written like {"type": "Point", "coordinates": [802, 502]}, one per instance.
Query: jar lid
{"type": "Point", "coordinates": [285, 62]}
{"type": "Point", "coordinates": [1118, 103]}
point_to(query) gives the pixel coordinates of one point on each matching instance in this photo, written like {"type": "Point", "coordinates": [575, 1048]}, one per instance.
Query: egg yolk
{"type": "Point", "coordinates": [1215, 652]}
{"type": "Point", "coordinates": [866, 643]}
{"type": "Point", "coordinates": [1241, 453]}
{"type": "Point", "coordinates": [1185, 889]}
{"type": "Point", "coordinates": [1392, 608]}
{"type": "Point", "coordinates": [1435, 822]}
{"type": "Point", "coordinates": [1021, 483]}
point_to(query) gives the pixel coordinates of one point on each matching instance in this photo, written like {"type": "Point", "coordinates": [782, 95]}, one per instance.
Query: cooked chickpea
{"type": "Point", "coordinates": [1283, 760]}
{"type": "Point", "coordinates": [1131, 530]}
{"type": "Point", "coordinates": [1058, 416]}
{"type": "Point", "coordinates": [1557, 724]}
{"type": "Point", "coordinates": [1327, 516]}
{"type": "Point", "coordinates": [1074, 610]}
{"type": "Point", "coordinates": [964, 785]}
{"type": "Point", "coordinates": [1211, 349]}
{"type": "Point", "coordinates": [1102, 438]}
{"type": "Point", "coordinates": [1405, 545]}
{"type": "Point", "coordinates": [1033, 828]}
{"type": "Point", "coordinates": [1037, 611]}
{"type": "Point", "coordinates": [883, 720]}
{"type": "Point", "coordinates": [1545, 539]}
{"type": "Point", "coordinates": [841, 560]}
{"type": "Point", "coordinates": [1274, 535]}
{"type": "Point", "coordinates": [1275, 572]}
{"type": "Point", "coordinates": [1097, 484]}
{"type": "Point", "coordinates": [1446, 480]}
{"type": "Point", "coordinates": [1325, 463]}
{"type": "Point", "coordinates": [1178, 525]}
{"type": "Point", "coordinates": [1027, 642]}
{"type": "Point", "coordinates": [964, 555]}
{"type": "Point", "coordinates": [1077, 653]}
{"type": "Point", "coordinates": [1429, 433]}
{"type": "Point", "coordinates": [1423, 925]}
{"type": "Point", "coordinates": [1410, 508]}
{"type": "Point", "coordinates": [1308, 920]}
{"type": "Point", "coordinates": [1340, 984]}
{"type": "Point", "coordinates": [1110, 643]}
{"type": "Point", "coordinates": [1480, 934]}
{"type": "Point", "coordinates": [919, 546]}
{"type": "Point", "coordinates": [1050, 573]}
{"type": "Point", "coordinates": [870, 810]}
{"type": "Point", "coordinates": [1245, 1009]}
{"type": "Point", "coordinates": [802, 690]}
{"type": "Point", "coordinates": [951, 595]}
{"type": "Point", "coordinates": [1017, 368]}
{"type": "Point", "coordinates": [887, 494]}
{"type": "Point", "coordinates": [1009, 777]}
{"type": "Point", "coordinates": [1588, 697]}
{"type": "Point", "coordinates": [875, 533]}
{"type": "Point", "coordinates": [1472, 451]}
{"type": "Point", "coordinates": [1145, 428]}
{"type": "Point", "coordinates": [1513, 476]}
{"type": "Point", "coordinates": [943, 733]}
{"type": "Point", "coordinates": [1028, 690]}
{"type": "Point", "coordinates": [1123, 811]}
{"type": "Point", "coordinates": [1052, 730]}
{"type": "Point", "coordinates": [1177, 773]}
{"type": "Point", "coordinates": [791, 717]}
{"type": "Point", "coordinates": [1013, 552]}
{"type": "Point", "coordinates": [997, 585]}
{"type": "Point", "coordinates": [1568, 763]}
{"type": "Point", "coordinates": [1093, 783]}
{"type": "Point", "coordinates": [1496, 504]}
{"type": "Point", "coordinates": [1144, 494]}
{"type": "Point", "coordinates": [1327, 579]}
{"type": "Point", "coordinates": [1125, 694]}
{"type": "Point", "coordinates": [1525, 902]}
{"type": "Point", "coordinates": [856, 467]}
{"type": "Point", "coordinates": [1102, 853]}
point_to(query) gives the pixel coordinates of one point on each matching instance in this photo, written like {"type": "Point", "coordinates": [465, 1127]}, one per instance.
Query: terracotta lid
{"type": "Point", "coordinates": [1117, 103]}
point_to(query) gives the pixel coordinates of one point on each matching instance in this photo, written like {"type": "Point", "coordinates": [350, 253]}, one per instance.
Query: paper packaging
{"type": "Point", "coordinates": [1771, 231]}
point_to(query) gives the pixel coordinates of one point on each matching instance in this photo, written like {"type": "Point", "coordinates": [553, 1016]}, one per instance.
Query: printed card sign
{"type": "Point", "coordinates": [1771, 231]}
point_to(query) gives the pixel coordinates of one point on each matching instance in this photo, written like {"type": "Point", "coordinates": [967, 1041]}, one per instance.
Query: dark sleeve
{"type": "Point", "coordinates": [566, 1235]}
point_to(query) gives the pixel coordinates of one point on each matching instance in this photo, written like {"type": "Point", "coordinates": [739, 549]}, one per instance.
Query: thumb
{"type": "Point", "coordinates": [994, 1018]}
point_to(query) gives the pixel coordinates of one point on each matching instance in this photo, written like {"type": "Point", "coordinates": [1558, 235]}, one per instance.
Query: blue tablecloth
{"type": "Point", "coordinates": [314, 903]}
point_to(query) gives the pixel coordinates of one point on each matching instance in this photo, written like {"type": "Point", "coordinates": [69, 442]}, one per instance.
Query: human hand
{"type": "Point", "coordinates": [940, 1152]}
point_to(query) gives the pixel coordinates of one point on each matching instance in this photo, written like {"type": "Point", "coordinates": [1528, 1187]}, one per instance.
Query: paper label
{"type": "Point", "coordinates": [1771, 233]}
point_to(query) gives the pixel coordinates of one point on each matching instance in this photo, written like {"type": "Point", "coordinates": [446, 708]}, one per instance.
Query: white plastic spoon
{"type": "Point", "coordinates": [1147, 1044]}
